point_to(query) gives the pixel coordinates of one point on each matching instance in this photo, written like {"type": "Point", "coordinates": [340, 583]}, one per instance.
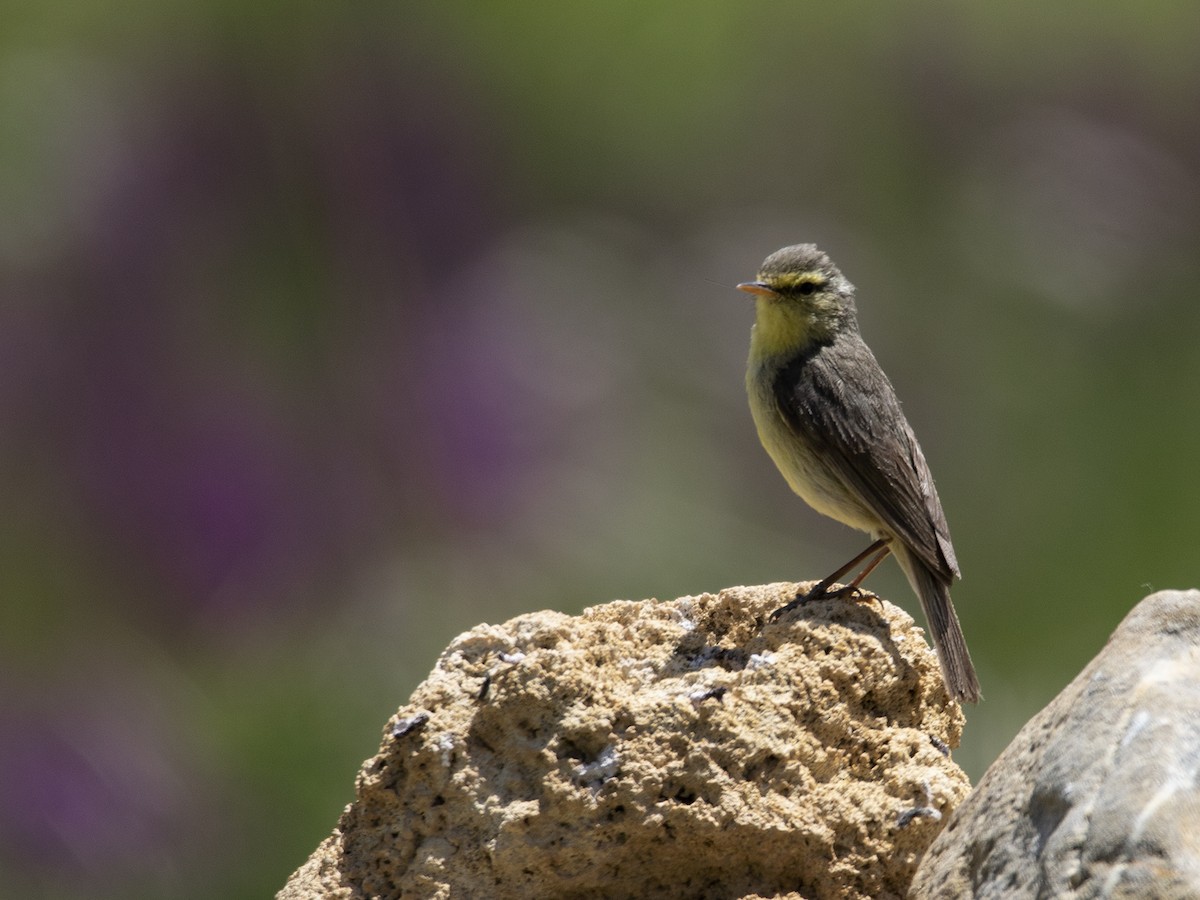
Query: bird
{"type": "Point", "coordinates": [829, 418]}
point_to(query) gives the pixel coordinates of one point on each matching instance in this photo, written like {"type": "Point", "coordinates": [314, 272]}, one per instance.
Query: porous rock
{"type": "Point", "coordinates": [688, 749]}
{"type": "Point", "coordinates": [1099, 794]}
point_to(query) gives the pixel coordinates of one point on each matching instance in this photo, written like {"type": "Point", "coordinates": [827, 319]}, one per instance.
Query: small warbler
{"type": "Point", "coordinates": [829, 418]}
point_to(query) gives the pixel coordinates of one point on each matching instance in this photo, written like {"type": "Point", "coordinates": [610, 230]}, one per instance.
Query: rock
{"type": "Point", "coordinates": [645, 749]}
{"type": "Point", "coordinates": [1098, 795]}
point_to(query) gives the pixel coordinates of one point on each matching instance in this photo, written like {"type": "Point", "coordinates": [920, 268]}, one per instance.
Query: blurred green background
{"type": "Point", "coordinates": [330, 331]}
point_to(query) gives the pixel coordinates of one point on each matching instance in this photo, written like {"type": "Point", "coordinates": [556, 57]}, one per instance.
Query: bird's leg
{"type": "Point", "coordinates": [875, 554]}
{"type": "Point", "coordinates": [870, 567]}
{"type": "Point", "coordinates": [853, 589]}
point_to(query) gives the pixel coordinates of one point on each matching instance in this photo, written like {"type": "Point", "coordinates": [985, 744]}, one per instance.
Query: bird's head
{"type": "Point", "coordinates": [801, 297]}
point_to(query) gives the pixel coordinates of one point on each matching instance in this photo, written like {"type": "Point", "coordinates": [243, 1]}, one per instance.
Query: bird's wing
{"type": "Point", "coordinates": [839, 401]}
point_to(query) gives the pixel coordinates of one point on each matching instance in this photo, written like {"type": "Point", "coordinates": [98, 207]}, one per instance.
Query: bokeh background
{"type": "Point", "coordinates": [328, 332]}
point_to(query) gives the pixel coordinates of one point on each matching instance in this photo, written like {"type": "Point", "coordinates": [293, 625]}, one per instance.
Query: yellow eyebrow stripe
{"type": "Point", "coordinates": [789, 280]}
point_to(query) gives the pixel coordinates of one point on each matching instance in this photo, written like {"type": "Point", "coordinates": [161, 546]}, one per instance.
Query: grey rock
{"type": "Point", "coordinates": [1099, 794]}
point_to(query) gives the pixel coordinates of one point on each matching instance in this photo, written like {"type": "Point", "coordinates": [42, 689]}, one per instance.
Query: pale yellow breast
{"type": "Point", "coordinates": [804, 472]}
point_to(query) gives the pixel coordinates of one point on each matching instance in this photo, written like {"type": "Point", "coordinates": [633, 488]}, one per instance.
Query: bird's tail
{"type": "Point", "coordinates": [934, 592]}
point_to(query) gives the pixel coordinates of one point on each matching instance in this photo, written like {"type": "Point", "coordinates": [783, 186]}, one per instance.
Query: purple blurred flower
{"type": "Point", "coordinates": [244, 306]}
{"type": "Point", "coordinates": [93, 789]}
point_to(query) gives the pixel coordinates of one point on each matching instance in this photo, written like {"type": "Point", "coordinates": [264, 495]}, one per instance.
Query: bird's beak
{"type": "Point", "coordinates": [756, 287]}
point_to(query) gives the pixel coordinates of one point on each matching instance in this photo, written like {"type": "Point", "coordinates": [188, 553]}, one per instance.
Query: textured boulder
{"type": "Point", "coordinates": [644, 749]}
{"type": "Point", "coordinates": [1099, 794]}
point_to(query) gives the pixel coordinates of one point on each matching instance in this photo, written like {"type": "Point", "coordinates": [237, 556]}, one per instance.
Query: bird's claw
{"type": "Point", "coordinates": [784, 610]}
{"type": "Point", "coordinates": [824, 592]}
{"type": "Point", "coordinates": [817, 592]}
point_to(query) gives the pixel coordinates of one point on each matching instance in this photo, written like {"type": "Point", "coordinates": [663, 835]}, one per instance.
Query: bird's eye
{"type": "Point", "coordinates": [806, 288]}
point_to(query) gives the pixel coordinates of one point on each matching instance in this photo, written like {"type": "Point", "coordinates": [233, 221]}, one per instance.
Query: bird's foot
{"type": "Point", "coordinates": [817, 592]}
{"type": "Point", "coordinates": [823, 591]}
{"type": "Point", "coordinates": [857, 594]}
